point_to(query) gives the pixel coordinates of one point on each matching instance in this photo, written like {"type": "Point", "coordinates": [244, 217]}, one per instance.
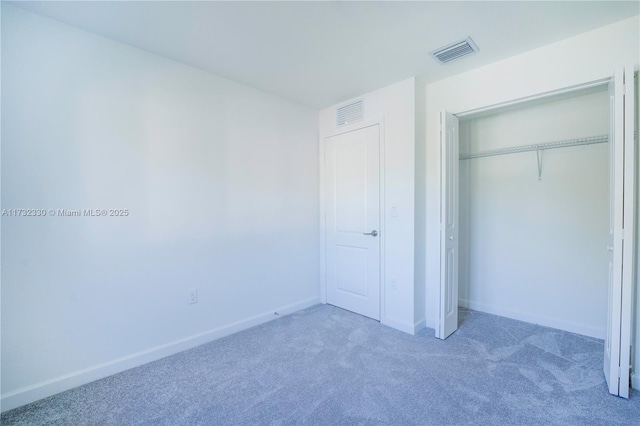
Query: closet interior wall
{"type": "Point", "coordinates": [531, 249]}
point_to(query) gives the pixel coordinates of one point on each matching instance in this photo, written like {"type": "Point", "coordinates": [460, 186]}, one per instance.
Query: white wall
{"type": "Point", "coordinates": [534, 250]}
{"type": "Point", "coordinates": [221, 182]}
{"type": "Point", "coordinates": [394, 107]}
{"type": "Point", "coordinates": [587, 57]}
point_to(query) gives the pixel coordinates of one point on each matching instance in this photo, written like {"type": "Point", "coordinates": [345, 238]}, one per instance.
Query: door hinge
{"type": "Point", "coordinates": [619, 372]}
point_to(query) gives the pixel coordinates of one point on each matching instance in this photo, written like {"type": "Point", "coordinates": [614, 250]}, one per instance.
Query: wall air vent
{"type": "Point", "coordinates": [455, 50]}
{"type": "Point", "coordinates": [347, 114]}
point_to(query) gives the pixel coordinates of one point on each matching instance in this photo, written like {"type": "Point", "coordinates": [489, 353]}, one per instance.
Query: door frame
{"type": "Point", "coordinates": [541, 97]}
{"type": "Point", "coordinates": [492, 108]}
{"type": "Point", "coordinates": [323, 136]}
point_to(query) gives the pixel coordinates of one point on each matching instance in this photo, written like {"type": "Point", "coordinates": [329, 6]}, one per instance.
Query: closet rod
{"type": "Point", "coordinates": [537, 147]}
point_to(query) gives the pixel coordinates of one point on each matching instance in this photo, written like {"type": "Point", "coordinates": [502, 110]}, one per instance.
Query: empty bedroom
{"type": "Point", "coordinates": [332, 212]}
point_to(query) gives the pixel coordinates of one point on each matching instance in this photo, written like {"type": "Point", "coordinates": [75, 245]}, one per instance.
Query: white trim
{"type": "Point", "coordinates": [419, 325]}
{"type": "Point", "coordinates": [537, 97]}
{"type": "Point", "coordinates": [32, 393]}
{"type": "Point", "coordinates": [534, 319]}
{"type": "Point", "coordinates": [383, 221]}
{"type": "Point", "coordinates": [399, 325]}
{"type": "Point", "coordinates": [347, 128]}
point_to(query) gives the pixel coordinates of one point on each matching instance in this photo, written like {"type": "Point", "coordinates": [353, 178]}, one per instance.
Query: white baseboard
{"type": "Point", "coordinates": [419, 325]}
{"type": "Point", "coordinates": [398, 325]}
{"type": "Point", "coordinates": [535, 319]}
{"type": "Point", "coordinates": [32, 393]}
{"type": "Point", "coordinates": [432, 323]}
{"type": "Point", "coordinates": [635, 381]}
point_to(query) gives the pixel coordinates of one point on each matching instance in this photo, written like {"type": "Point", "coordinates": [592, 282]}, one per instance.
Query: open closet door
{"type": "Point", "coordinates": [617, 345]}
{"type": "Point", "coordinates": [449, 164]}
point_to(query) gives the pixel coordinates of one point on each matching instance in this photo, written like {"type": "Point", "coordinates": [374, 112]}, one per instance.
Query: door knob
{"type": "Point", "coordinates": [372, 233]}
{"type": "Point", "coordinates": [610, 248]}
{"type": "Point", "coordinates": [451, 237]}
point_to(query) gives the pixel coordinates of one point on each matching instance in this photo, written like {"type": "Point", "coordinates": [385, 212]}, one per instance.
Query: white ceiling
{"type": "Point", "coordinates": [321, 53]}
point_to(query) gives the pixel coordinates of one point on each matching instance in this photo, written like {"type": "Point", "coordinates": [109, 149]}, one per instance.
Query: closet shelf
{"type": "Point", "coordinates": [536, 147]}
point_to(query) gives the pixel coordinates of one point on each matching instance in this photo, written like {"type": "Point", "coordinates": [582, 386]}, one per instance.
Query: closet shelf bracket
{"type": "Point", "coordinates": [539, 155]}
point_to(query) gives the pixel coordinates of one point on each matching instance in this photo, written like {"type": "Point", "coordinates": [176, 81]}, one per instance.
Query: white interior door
{"type": "Point", "coordinates": [449, 167]}
{"type": "Point", "coordinates": [352, 165]}
{"type": "Point", "coordinates": [617, 345]}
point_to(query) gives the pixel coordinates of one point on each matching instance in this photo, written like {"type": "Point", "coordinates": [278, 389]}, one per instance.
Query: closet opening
{"type": "Point", "coordinates": [538, 215]}
{"type": "Point", "coordinates": [534, 211]}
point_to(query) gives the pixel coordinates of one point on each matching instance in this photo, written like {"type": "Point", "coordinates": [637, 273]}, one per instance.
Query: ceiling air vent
{"type": "Point", "coordinates": [349, 113]}
{"type": "Point", "coordinates": [455, 50]}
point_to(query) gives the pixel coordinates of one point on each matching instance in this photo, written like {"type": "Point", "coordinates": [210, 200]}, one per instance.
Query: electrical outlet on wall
{"type": "Point", "coordinates": [394, 284]}
{"type": "Point", "coordinates": [193, 296]}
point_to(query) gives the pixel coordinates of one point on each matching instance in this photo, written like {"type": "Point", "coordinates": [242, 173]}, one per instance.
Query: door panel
{"type": "Point", "coordinates": [351, 188]}
{"type": "Point", "coordinates": [351, 270]}
{"type": "Point", "coordinates": [352, 166]}
{"type": "Point", "coordinates": [628, 237]}
{"type": "Point", "coordinates": [621, 232]}
{"type": "Point", "coordinates": [448, 314]}
{"type": "Point", "coordinates": [612, 342]}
